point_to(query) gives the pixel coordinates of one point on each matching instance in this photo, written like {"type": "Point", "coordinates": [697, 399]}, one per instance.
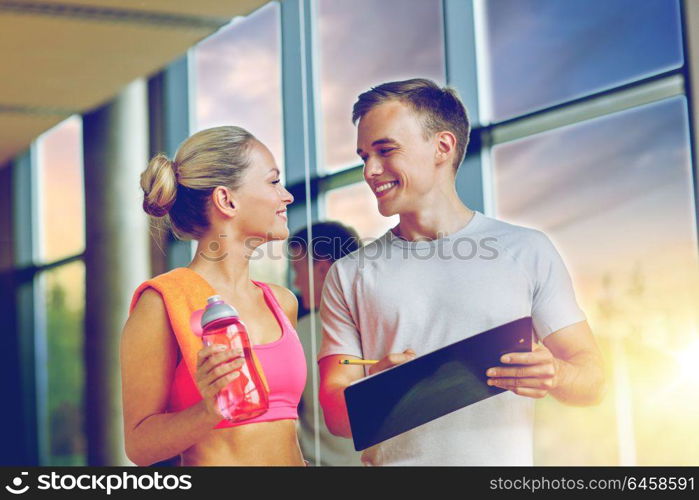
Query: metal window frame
{"type": "Point", "coordinates": [462, 61]}
{"type": "Point", "coordinates": [302, 137]}
{"type": "Point", "coordinates": [689, 22]}
{"type": "Point", "coordinates": [31, 335]}
{"type": "Point", "coordinates": [178, 103]}
{"type": "Point", "coordinates": [302, 129]}
{"type": "Point", "coordinates": [171, 102]}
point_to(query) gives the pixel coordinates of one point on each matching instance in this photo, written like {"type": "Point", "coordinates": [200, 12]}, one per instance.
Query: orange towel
{"type": "Point", "coordinates": [184, 294]}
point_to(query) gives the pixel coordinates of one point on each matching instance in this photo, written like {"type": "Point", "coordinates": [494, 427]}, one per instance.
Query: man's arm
{"type": "Point", "coordinates": [580, 378]}
{"type": "Point", "coordinates": [335, 378]}
{"type": "Point", "coordinates": [569, 366]}
{"type": "Point", "coordinates": [340, 337]}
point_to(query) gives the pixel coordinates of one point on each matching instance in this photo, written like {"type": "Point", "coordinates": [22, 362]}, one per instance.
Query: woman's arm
{"type": "Point", "coordinates": [148, 360]}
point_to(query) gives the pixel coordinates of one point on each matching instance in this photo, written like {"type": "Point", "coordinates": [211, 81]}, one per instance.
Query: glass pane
{"type": "Point", "coordinates": [62, 199]}
{"type": "Point", "coordinates": [355, 205]}
{"type": "Point", "coordinates": [365, 43]}
{"type": "Point", "coordinates": [64, 291]}
{"type": "Point", "coordinates": [238, 78]}
{"type": "Point", "coordinates": [620, 209]}
{"type": "Point", "coordinates": [542, 52]}
{"type": "Point", "coordinates": [238, 82]}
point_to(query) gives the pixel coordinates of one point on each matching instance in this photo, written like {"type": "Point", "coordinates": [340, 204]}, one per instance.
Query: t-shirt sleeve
{"type": "Point", "coordinates": [554, 305]}
{"type": "Point", "coordinates": [340, 333]}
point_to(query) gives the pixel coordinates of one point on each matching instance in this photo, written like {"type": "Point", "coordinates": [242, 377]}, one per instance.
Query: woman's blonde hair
{"type": "Point", "coordinates": [178, 192]}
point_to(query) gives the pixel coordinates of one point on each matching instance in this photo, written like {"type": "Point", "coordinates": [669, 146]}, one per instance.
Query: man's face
{"type": "Point", "coordinates": [399, 164]}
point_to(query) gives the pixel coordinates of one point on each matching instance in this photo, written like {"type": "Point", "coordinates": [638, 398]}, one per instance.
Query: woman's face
{"type": "Point", "coordinates": [262, 199]}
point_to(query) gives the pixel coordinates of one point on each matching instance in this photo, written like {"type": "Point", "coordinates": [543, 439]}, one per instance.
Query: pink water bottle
{"type": "Point", "coordinates": [247, 396]}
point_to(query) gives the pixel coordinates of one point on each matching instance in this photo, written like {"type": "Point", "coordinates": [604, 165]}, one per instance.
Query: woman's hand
{"type": "Point", "coordinates": [217, 367]}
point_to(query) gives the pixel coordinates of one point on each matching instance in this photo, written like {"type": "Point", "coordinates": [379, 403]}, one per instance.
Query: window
{"type": "Point", "coordinates": [62, 200]}
{"type": "Point", "coordinates": [238, 78]}
{"type": "Point", "coordinates": [238, 82]}
{"type": "Point", "coordinates": [365, 43]}
{"type": "Point", "coordinates": [62, 235]}
{"type": "Point", "coordinates": [620, 209]}
{"type": "Point", "coordinates": [64, 293]}
{"type": "Point", "coordinates": [543, 52]}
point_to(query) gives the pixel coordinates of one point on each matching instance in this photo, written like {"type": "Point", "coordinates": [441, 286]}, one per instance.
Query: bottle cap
{"type": "Point", "coordinates": [217, 309]}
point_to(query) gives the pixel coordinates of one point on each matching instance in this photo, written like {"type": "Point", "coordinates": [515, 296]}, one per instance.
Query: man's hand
{"type": "Point", "coordinates": [537, 375]}
{"type": "Point", "coordinates": [336, 377]}
{"type": "Point", "coordinates": [393, 359]}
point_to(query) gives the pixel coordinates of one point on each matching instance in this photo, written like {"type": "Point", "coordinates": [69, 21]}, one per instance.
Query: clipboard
{"type": "Point", "coordinates": [403, 397]}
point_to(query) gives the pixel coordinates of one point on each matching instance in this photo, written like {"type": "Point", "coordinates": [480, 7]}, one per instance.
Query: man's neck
{"type": "Point", "coordinates": [437, 221]}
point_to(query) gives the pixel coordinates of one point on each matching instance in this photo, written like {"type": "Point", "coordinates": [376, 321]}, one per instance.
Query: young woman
{"type": "Point", "coordinates": [223, 190]}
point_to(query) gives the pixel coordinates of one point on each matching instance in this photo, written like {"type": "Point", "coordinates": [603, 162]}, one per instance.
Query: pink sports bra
{"type": "Point", "coordinates": [283, 361]}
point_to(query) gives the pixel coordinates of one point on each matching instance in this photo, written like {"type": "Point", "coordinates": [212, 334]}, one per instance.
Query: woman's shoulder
{"type": "Point", "coordinates": [287, 300]}
{"type": "Point", "coordinates": [165, 286]}
{"type": "Point", "coordinates": [149, 315]}
{"type": "Point", "coordinates": [177, 277]}
{"type": "Point", "coordinates": [149, 302]}
{"type": "Point", "coordinates": [150, 298]}
{"type": "Point", "coordinates": [283, 295]}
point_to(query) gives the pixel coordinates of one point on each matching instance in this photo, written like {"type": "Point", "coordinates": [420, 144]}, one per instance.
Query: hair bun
{"type": "Point", "coordinates": [159, 184]}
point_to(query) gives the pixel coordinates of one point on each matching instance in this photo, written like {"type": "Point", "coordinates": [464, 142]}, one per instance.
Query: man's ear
{"type": "Point", "coordinates": [446, 147]}
{"type": "Point", "coordinates": [223, 201]}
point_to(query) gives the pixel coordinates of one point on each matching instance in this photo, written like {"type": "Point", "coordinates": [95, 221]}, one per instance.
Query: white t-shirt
{"type": "Point", "coordinates": [393, 294]}
{"type": "Point", "coordinates": [334, 450]}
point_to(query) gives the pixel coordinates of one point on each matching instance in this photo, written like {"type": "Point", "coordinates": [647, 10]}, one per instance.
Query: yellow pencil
{"type": "Point", "coordinates": [358, 361]}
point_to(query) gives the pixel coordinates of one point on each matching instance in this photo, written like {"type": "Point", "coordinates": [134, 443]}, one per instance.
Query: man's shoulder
{"type": "Point", "coordinates": [530, 249]}
{"type": "Point", "coordinates": [512, 236]}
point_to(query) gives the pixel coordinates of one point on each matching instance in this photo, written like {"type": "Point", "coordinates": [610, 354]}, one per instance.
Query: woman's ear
{"type": "Point", "coordinates": [223, 201]}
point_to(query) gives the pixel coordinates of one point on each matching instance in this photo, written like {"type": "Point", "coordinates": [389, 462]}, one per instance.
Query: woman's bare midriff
{"type": "Point", "coordinates": [263, 443]}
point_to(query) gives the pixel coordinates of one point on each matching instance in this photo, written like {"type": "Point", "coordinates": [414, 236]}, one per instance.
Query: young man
{"type": "Point", "coordinates": [443, 274]}
{"type": "Point", "coordinates": [330, 241]}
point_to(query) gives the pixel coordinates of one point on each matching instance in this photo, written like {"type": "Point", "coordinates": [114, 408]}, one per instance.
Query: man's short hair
{"type": "Point", "coordinates": [330, 240]}
{"type": "Point", "coordinates": [440, 108]}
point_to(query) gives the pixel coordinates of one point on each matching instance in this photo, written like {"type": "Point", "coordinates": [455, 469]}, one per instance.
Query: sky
{"type": "Point", "coordinates": [542, 52]}
{"type": "Point", "coordinates": [237, 78]}
{"type": "Point", "coordinates": [364, 43]}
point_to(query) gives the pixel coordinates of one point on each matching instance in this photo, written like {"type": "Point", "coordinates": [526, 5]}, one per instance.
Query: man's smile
{"type": "Point", "coordinates": [381, 188]}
